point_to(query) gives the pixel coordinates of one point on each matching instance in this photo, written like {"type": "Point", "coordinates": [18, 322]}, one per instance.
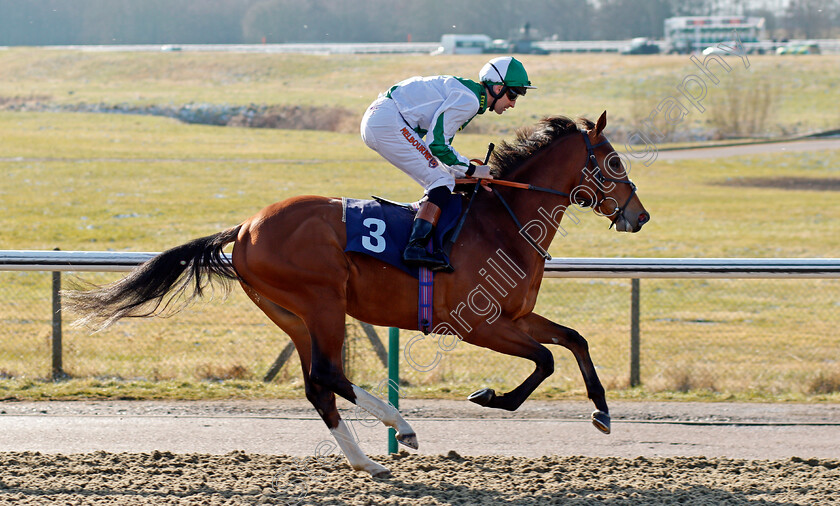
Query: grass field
{"type": "Point", "coordinates": [629, 87]}
{"type": "Point", "coordinates": [138, 183]}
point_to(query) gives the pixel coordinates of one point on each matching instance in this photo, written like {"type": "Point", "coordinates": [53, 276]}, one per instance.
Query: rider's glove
{"type": "Point", "coordinates": [479, 171]}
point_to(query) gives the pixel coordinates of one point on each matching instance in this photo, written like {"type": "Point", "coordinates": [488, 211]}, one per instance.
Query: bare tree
{"type": "Point", "coordinates": [811, 18]}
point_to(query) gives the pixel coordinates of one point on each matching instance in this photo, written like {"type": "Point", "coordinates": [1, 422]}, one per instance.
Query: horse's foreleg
{"type": "Point", "coordinates": [546, 331]}
{"type": "Point", "coordinates": [508, 339]}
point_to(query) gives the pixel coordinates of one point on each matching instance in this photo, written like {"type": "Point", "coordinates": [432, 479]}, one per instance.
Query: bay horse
{"type": "Point", "coordinates": [290, 260]}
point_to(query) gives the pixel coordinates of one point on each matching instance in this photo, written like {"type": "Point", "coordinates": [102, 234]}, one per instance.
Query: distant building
{"type": "Point", "coordinates": [689, 34]}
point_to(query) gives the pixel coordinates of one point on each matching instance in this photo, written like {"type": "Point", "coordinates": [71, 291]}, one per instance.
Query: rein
{"type": "Point", "coordinates": [590, 161]}
{"type": "Point", "coordinates": [511, 184]}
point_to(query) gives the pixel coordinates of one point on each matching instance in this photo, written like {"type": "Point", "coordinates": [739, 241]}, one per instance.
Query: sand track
{"type": "Point", "coordinates": [240, 478]}
{"type": "Point", "coordinates": [689, 454]}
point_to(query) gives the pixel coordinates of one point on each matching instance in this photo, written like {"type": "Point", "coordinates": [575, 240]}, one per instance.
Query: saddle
{"type": "Point", "coordinates": [380, 228]}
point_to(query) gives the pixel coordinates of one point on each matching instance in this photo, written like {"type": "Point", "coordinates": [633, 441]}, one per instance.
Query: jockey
{"type": "Point", "coordinates": [436, 108]}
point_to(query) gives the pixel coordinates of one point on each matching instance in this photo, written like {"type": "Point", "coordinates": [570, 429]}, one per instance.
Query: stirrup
{"type": "Point", "coordinates": [446, 268]}
{"type": "Point", "coordinates": [416, 256]}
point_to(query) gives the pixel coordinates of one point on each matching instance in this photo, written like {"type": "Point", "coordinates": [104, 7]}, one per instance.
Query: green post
{"type": "Point", "coordinates": [393, 380]}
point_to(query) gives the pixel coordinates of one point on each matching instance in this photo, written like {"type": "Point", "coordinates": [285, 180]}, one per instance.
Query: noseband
{"type": "Point", "coordinates": [591, 161]}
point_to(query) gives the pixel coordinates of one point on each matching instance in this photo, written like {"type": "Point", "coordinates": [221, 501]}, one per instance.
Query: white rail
{"type": "Point", "coordinates": [633, 268]}
{"type": "Point", "coordinates": [730, 268]}
{"type": "Point", "coordinates": [92, 261]}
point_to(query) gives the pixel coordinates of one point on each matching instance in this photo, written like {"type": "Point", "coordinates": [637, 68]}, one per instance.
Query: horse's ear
{"type": "Point", "coordinates": [602, 123]}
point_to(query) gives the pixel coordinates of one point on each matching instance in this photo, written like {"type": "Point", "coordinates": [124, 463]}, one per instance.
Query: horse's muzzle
{"type": "Point", "coordinates": [622, 224]}
{"type": "Point", "coordinates": [643, 218]}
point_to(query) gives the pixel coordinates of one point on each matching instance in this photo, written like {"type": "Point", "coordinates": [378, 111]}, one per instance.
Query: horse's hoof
{"type": "Point", "coordinates": [409, 440]}
{"type": "Point", "coordinates": [381, 473]}
{"type": "Point", "coordinates": [371, 467]}
{"type": "Point", "coordinates": [601, 421]}
{"type": "Point", "coordinates": [482, 397]}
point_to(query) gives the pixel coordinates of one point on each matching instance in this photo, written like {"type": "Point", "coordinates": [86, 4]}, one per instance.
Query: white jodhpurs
{"type": "Point", "coordinates": [384, 131]}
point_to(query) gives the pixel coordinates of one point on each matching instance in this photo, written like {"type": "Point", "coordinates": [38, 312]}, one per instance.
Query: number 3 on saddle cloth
{"type": "Point", "coordinates": [381, 228]}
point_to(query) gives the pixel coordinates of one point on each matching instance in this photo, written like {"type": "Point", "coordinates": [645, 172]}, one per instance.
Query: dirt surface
{"type": "Point", "coordinates": [240, 478]}
{"type": "Point", "coordinates": [125, 452]}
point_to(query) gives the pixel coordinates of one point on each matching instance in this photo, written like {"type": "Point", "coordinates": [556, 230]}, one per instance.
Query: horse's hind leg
{"type": "Point", "coordinates": [545, 331]}
{"type": "Point", "coordinates": [327, 331]}
{"type": "Point", "coordinates": [321, 398]}
{"type": "Point", "coordinates": [388, 415]}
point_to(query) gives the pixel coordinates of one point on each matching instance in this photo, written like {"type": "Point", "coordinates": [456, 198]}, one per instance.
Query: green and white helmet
{"type": "Point", "coordinates": [507, 71]}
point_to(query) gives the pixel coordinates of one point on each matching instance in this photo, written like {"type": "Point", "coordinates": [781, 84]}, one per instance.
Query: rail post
{"type": "Point", "coordinates": [635, 354]}
{"type": "Point", "coordinates": [57, 365]}
{"type": "Point", "coordinates": [393, 380]}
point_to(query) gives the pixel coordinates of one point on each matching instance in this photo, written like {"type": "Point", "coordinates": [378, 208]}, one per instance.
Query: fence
{"type": "Point", "coordinates": [726, 325]}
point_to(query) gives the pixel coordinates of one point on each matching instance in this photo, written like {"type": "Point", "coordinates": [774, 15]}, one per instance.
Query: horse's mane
{"type": "Point", "coordinates": [529, 140]}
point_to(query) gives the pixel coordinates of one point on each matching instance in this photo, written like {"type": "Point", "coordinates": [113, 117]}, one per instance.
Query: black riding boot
{"type": "Point", "coordinates": [422, 230]}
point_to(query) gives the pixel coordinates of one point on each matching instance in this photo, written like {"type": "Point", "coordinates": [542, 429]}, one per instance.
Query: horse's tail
{"type": "Point", "coordinates": [178, 276]}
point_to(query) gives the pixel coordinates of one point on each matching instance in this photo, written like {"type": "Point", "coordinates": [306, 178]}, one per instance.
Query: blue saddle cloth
{"type": "Point", "coordinates": [381, 229]}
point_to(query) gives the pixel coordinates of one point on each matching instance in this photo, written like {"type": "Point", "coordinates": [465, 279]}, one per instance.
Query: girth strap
{"type": "Point", "coordinates": [425, 300]}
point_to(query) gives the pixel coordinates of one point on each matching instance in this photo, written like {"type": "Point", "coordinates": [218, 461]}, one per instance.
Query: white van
{"type": "Point", "coordinates": [453, 43]}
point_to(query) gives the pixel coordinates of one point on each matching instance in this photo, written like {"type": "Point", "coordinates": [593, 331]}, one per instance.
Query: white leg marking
{"type": "Point", "coordinates": [387, 414]}
{"type": "Point", "coordinates": [351, 449]}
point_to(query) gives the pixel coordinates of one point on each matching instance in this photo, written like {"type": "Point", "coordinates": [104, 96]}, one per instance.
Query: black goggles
{"type": "Point", "coordinates": [514, 92]}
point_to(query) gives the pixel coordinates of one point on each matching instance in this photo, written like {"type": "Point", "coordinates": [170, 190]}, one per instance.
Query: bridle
{"type": "Point", "coordinates": [618, 212]}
